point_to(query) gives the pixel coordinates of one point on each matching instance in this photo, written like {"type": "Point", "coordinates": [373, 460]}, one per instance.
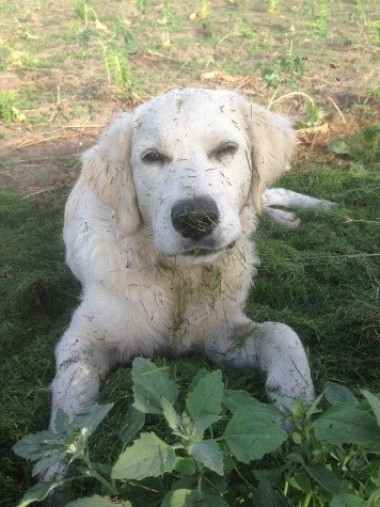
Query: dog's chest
{"type": "Point", "coordinates": [185, 307]}
{"type": "Point", "coordinates": [197, 302]}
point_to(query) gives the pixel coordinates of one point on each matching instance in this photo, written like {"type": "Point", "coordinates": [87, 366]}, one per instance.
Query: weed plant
{"type": "Point", "coordinates": [114, 46]}
{"type": "Point", "coordinates": [211, 433]}
{"type": "Point", "coordinates": [8, 110]}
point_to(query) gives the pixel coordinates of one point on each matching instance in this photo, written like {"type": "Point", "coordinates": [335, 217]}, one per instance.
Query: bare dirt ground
{"type": "Point", "coordinates": [71, 65]}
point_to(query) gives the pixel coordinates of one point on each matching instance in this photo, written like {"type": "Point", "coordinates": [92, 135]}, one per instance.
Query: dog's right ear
{"type": "Point", "coordinates": [107, 171]}
{"type": "Point", "coordinates": [273, 142]}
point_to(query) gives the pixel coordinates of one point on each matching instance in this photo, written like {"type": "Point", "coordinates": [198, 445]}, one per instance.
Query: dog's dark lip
{"type": "Point", "coordinates": [205, 252]}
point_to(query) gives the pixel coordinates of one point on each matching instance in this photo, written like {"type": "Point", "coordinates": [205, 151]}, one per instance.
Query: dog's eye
{"type": "Point", "coordinates": [224, 149]}
{"type": "Point", "coordinates": [154, 157]}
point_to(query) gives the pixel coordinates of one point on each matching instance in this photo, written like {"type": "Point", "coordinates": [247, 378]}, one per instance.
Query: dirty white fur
{"type": "Point", "coordinates": [142, 291]}
{"type": "Point", "coordinates": [289, 199]}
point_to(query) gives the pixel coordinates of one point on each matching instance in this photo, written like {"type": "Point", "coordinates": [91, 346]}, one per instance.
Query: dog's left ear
{"type": "Point", "coordinates": [273, 143]}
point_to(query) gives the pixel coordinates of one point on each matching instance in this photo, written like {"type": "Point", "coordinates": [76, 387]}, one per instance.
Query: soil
{"type": "Point", "coordinates": [52, 60]}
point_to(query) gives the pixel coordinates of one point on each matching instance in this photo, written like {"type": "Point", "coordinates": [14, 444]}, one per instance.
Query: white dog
{"type": "Point", "coordinates": [158, 231]}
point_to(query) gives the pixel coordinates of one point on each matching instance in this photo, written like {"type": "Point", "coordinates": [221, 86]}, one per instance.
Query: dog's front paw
{"type": "Point", "coordinates": [286, 219]}
{"type": "Point", "coordinates": [285, 390]}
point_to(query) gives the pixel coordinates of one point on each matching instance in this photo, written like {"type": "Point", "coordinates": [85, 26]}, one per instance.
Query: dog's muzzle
{"type": "Point", "coordinates": [195, 218]}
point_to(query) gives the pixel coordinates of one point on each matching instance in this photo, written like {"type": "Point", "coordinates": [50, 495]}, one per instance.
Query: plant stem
{"type": "Point", "coordinates": [289, 95]}
{"type": "Point", "coordinates": [306, 502]}
{"type": "Point", "coordinates": [107, 484]}
{"type": "Point", "coordinates": [246, 482]}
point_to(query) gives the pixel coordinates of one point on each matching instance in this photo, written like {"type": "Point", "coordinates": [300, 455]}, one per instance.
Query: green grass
{"type": "Point", "coordinates": [324, 280]}
{"type": "Point", "coordinates": [36, 294]}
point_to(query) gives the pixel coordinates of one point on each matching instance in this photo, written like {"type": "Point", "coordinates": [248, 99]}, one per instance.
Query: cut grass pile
{"type": "Point", "coordinates": [324, 280]}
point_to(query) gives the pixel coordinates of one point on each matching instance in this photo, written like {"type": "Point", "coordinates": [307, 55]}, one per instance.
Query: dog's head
{"type": "Point", "coordinates": [188, 165]}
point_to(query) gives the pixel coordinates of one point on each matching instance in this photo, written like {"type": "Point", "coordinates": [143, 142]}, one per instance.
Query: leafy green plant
{"type": "Point", "coordinates": [290, 70]}
{"type": "Point", "coordinates": [169, 16]}
{"type": "Point", "coordinates": [375, 32]}
{"type": "Point", "coordinates": [142, 6]}
{"type": "Point", "coordinates": [115, 46]}
{"type": "Point", "coordinates": [250, 34]}
{"type": "Point", "coordinates": [9, 113]}
{"type": "Point", "coordinates": [331, 457]}
{"type": "Point", "coordinates": [205, 9]}
{"type": "Point", "coordinates": [84, 12]}
{"type": "Point", "coordinates": [118, 68]}
{"type": "Point", "coordinates": [321, 20]}
{"type": "Point", "coordinates": [273, 6]}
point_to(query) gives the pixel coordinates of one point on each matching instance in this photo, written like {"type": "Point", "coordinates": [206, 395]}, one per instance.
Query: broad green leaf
{"type": "Point", "coordinates": [178, 498]}
{"type": "Point", "coordinates": [185, 466]}
{"type": "Point", "coordinates": [252, 436]}
{"type": "Point", "coordinates": [209, 500]}
{"type": "Point", "coordinates": [347, 500]}
{"type": "Point", "coordinates": [208, 453]}
{"type": "Point", "coordinates": [37, 493]}
{"type": "Point", "coordinates": [313, 408]}
{"type": "Point", "coordinates": [147, 457]}
{"type": "Point", "coordinates": [374, 402]}
{"type": "Point", "coordinates": [266, 496]}
{"type": "Point", "coordinates": [99, 501]}
{"type": "Point", "coordinates": [202, 373]}
{"type": "Point", "coordinates": [345, 424]}
{"type": "Point", "coordinates": [326, 478]}
{"type": "Point", "coordinates": [52, 458]}
{"type": "Point", "coordinates": [35, 445]}
{"type": "Point", "coordinates": [91, 417]}
{"type": "Point", "coordinates": [146, 493]}
{"type": "Point", "coordinates": [150, 384]}
{"type": "Point", "coordinates": [205, 422]}
{"type": "Point", "coordinates": [61, 422]}
{"type": "Point", "coordinates": [337, 393]}
{"type": "Point", "coordinates": [272, 475]}
{"type": "Point", "coordinates": [206, 396]}
{"type": "Point", "coordinates": [134, 422]}
{"type": "Point", "coordinates": [171, 416]}
{"type": "Point", "coordinates": [301, 481]}
{"type": "Point", "coordinates": [242, 400]}
{"type": "Point", "coordinates": [190, 498]}
{"type": "Point", "coordinates": [295, 457]}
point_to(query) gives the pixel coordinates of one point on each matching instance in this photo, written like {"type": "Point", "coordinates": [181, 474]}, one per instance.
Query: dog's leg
{"type": "Point", "coordinates": [293, 200]}
{"type": "Point", "coordinates": [275, 349]}
{"type": "Point", "coordinates": [80, 365]}
{"type": "Point", "coordinates": [286, 219]}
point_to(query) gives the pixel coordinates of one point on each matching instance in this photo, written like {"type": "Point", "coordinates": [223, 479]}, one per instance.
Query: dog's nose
{"type": "Point", "coordinates": [195, 218]}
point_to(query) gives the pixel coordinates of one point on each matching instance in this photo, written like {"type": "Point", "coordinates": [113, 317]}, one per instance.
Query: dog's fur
{"type": "Point", "coordinates": [148, 287]}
